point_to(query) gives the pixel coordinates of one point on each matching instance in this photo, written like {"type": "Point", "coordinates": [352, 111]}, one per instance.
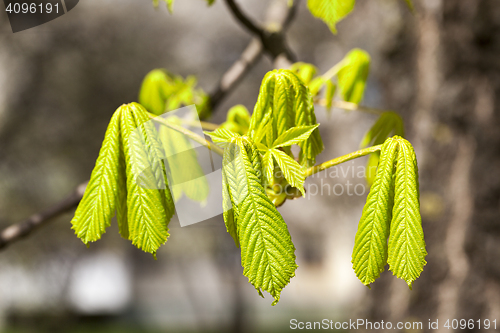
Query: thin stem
{"type": "Point", "coordinates": [332, 71]}
{"type": "Point", "coordinates": [336, 161]}
{"type": "Point", "coordinates": [193, 136]}
{"type": "Point", "coordinates": [205, 125]}
{"type": "Point", "coordinates": [352, 107]}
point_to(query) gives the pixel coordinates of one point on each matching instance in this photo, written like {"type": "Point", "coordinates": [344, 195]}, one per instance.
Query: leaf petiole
{"type": "Point", "coordinates": [336, 161]}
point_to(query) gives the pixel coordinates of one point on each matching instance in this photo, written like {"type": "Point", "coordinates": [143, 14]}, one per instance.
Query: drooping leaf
{"type": "Point", "coordinates": [187, 176]}
{"type": "Point", "coordinates": [130, 177]}
{"type": "Point", "coordinates": [294, 136]}
{"type": "Point", "coordinates": [331, 11]}
{"type": "Point", "coordinates": [150, 207]}
{"type": "Point", "coordinates": [353, 75]}
{"type": "Point", "coordinates": [267, 252]}
{"type": "Point", "coordinates": [292, 171]}
{"type": "Point", "coordinates": [98, 204]}
{"type": "Point", "coordinates": [406, 241]}
{"type": "Point", "coordinates": [370, 246]}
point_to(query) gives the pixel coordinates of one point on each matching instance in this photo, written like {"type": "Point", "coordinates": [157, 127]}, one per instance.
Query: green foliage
{"type": "Point", "coordinates": [98, 204]}
{"type": "Point", "coordinates": [392, 210]}
{"type": "Point", "coordinates": [285, 102]}
{"type": "Point", "coordinates": [292, 171]}
{"type": "Point", "coordinates": [388, 124]}
{"type": "Point", "coordinates": [331, 12]}
{"type": "Point", "coordinates": [294, 136]}
{"type": "Point", "coordinates": [267, 251]}
{"type": "Point", "coordinates": [161, 92]}
{"type": "Point", "coordinates": [406, 240]}
{"type": "Point", "coordinates": [186, 173]}
{"type": "Point", "coordinates": [353, 75]}
{"type": "Point", "coordinates": [259, 170]}
{"type": "Point", "coordinates": [331, 88]}
{"type": "Point", "coordinates": [129, 177]}
{"type": "Point", "coordinates": [259, 173]}
{"type": "Point", "coordinates": [237, 120]}
{"type": "Point", "coordinates": [370, 245]}
{"type": "Point", "coordinates": [221, 136]}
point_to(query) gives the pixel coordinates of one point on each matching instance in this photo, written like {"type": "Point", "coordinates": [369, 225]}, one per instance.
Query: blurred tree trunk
{"type": "Point", "coordinates": [445, 79]}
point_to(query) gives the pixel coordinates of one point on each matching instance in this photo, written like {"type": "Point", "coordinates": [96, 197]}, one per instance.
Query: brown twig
{"type": "Point", "coordinates": [244, 19]}
{"type": "Point", "coordinates": [19, 230]}
{"type": "Point", "coordinates": [236, 72]}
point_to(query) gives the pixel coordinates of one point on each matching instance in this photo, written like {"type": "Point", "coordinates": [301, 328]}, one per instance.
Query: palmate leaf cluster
{"type": "Point", "coordinates": [260, 169]}
{"type": "Point", "coordinates": [250, 183]}
{"type": "Point", "coordinates": [267, 251]}
{"type": "Point", "coordinates": [392, 211]}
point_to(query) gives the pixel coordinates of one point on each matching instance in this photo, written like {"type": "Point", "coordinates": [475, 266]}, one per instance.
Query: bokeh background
{"type": "Point", "coordinates": [439, 67]}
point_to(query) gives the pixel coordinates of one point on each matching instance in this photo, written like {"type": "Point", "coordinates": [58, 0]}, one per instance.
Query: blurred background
{"type": "Point", "coordinates": [61, 82]}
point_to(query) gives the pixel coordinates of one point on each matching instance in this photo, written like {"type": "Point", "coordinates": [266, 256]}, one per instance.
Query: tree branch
{"type": "Point", "coordinates": [236, 72]}
{"type": "Point", "coordinates": [245, 20]}
{"type": "Point", "coordinates": [279, 19]}
{"type": "Point", "coordinates": [20, 230]}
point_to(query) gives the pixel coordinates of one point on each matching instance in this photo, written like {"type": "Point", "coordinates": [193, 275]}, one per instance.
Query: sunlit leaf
{"type": "Point", "coordinates": [353, 75]}
{"type": "Point", "coordinates": [331, 11]}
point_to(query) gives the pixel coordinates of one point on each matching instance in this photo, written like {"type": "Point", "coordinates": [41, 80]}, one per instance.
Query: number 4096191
{"type": "Point", "coordinates": [471, 324]}
{"type": "Point", "coordinates": [32, 8]}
